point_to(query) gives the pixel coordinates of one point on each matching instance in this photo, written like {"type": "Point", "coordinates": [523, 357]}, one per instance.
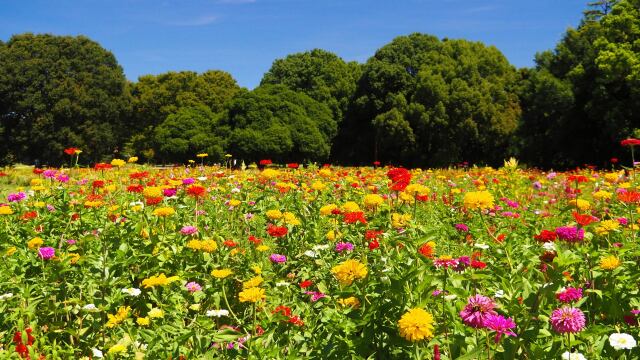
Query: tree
{"type": "Point", "coordinates": [594, 71]}
{"type": "Point", "coordinates": [187, 132]}
{"type": "Point", "coordinates": [320, 74]}
{"type": "Point", "coordinates": [155, 97]}
{"type": "Point", "coordinates": [598, 9]}
{"type": "Point", "coordinates": [60, 91]}
{"type": "Point", "coordinates": [277, 123]}
{"type": "Point", "coordinates": [456, 97]}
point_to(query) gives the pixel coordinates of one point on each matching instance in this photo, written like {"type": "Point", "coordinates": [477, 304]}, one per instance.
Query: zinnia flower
{"type": "Point", "coordinates": [480, 200]}
{"type": "Point", "coordinates": [46, 253]}
{"type": "Point", "coordinates": [567, 320]}
{"type": "Point", "coordinates": [476, 311]}
{"type": "Point", "coordinates": [501, 325]}
{"type": "Point", "coordinates": [188, 230]}
{"type": "Point", "coordinates": [252, 294]}
{"type": "Point", "coordinates": [277, 258]}
{"type": "Point", "coordinates": [416, 324]}
{"type": "Point", "coordinates": [622, 341]}
{"type": "Point", "coordinates": [193, 287]}
{"type": "Point", "coordinates": [570, 233]}
{"type": "Point", "coordinates": [569, 295]}
{"type": "Point", "coordinates": [349, 271]}
{"type": "Point", "coordinates": [610, 262]}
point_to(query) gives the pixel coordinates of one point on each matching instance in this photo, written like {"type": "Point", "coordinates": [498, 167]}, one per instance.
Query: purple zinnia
{"type": "Point", "coordinates": [462, 227]}
{"type": "Point", "coordinates": [476, 311]}
{"type": "Point", "coordinates": [193, 287]}
{"type": "Point", "coordinates": [501, 325]}
{"type": "Point", "coordinates": [188, 230]}
{"type": "Point", "coordinates": [277, 258]}
{"type": "Point", "coordinates": [46, 253]}
{"type": "Point", "coordinates": [570, 233]}
{"type": "Point", "coordinates": [567, 320]}
{"type": "Point", "coordinates": [569, 295]}
{"type": "Point", "coordinates": [344, 246]}
{"type": "Point", "coordinates": [15, 197]}
{"type": "Point", "coordinates": [169, 192]}
{"type": "Point", "coordinates": [188, 181]}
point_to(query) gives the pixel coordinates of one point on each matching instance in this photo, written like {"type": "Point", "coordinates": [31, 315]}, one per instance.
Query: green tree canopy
{"type": "Point", "coordinates": [320, 74]}
{"type": "Point", "coordinates": [187, 132]}
{"type": "Point", "coordinates": [448, 100]}
{"type": "Point", "coordinates": [593, 73]}
{"type": "Point", "coordinates": [278, 123]}
{"type": "Point", "coordinates": [155, 97]}
{"type": "Point", "coordinates": [60, 91]}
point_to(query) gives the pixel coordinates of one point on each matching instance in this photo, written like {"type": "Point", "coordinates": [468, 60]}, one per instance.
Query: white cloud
{"type": "Point", "coordinates": [197, 21]}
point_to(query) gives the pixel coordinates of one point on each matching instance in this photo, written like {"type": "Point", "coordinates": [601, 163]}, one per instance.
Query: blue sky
{"type": "Point", "coordinates": [243, 37]}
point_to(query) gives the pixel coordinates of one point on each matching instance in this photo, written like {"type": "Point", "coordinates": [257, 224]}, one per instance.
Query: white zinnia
{"type": "Point", "coordinates": [621, 341]}
{"type": "Point", "coordinates": [5, 296]}
{"type": "Point", "coordinates": [97, 353]}
{"type": "Point", "coordinates": [218, 313]}
{"type": "Point", "coordinates": [573, 356]}
{"type": "Point", "coordinates": [90, 308]}
{"type": "Point", "coordinates": [132, 291]}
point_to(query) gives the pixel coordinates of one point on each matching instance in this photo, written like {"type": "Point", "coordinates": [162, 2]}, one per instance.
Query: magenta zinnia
{"type": "Point", "coordinates": [567, 320]}
{"type": "Point", "coordinates": [569, 295]}
{"type": "Point", "coordinates": [46, 253]}
{"type": "Point", "coordinates": [501, 325]}
{"type": "Point", "coordinates": [476, 311]}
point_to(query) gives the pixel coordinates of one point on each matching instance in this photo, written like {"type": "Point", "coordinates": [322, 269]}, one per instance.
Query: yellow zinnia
{"type": "Point", "coordinates": [480, 200]}
{"type": "Point", "coordinates": [221, 273]}
{"type": "Point", "coordinates": [253, 294]}
{"type": "Point", "coordinates": [373, 200]}
{"type": "Point", "coordinates": [610, 262]}
{"type": "Point", "coordinates": [349, 271]}
{"type": "Point", "coordinates": [416, 324]}
{"type": "Point", "coordinates": [158, 280]}
{"type": "Point", "coordinates": [163, 211]}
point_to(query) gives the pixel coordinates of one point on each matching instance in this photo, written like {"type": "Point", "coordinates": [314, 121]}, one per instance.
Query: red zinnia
{"type": "Point", "coordinates": [400, 178]}
{"type": "Point", "coordinates": [629, 196]}
{"type": "Point", "coordinates": [372, 234]}
{"type": "Point", "coordinates": [153, 200]}
{"type": "Point", "coordinates": [305, 284]}
{"type": "Point", "coordinates": [265, 162]}
{"type": "Point", "coordinates": [374, 244]}
{"type": "Point", "coordinates": [630, 142]}
{"type": "Point", "coordinates": [70, 151]}
{"type": "Point", "coordinates": [584, 220]}
{"type": "Point", "coordinates": [29, 215]}
{"type": "Point", "coordinates": [293, 165]}
{"type": "Point", "coordinates": [196, 191]}
{"type": "Point", "coordinates": [102, 166]}
{"type": "Point", "coordinates": [426, 250]}
{"type": "Point", "coordinates": [135, 188]}
{"type": "Point", "coordinates": [355, 217]}
{"type": "Point", "coordinates": [546, 236]}
{"type": "Point", "coordinates": [276, 231]}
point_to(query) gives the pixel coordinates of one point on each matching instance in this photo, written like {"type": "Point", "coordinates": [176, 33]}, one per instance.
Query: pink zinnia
{"type": "Point", "coordinates": [569, 295]}
{"type": "Point", "coordinates": [567, 320]}
{"type": "Point", "coordinates": [277, 258]}
{"type": "Point", "coordinates": [188, 230]}
{"type": "Point", "coordinates": [193, 287]}
{"type": "Point", "coordinates": [169, 192]}
{"type": "Point", "coordinates": [476, 311]}
{"type": "Point", "coordinates": [46, 253]}
{"type": "Point", "coordinates": [315, 295]}
{"type": "Point", "coordinates": [501, 325]}
{"type": "Point", "coordinates": [445, 262]}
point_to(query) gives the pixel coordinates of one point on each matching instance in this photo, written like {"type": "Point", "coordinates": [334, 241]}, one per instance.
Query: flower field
{"type": "Point", "coordinates": [127, 261]}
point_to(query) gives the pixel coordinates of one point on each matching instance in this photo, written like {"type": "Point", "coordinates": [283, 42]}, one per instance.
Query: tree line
{"type": "Point", "coordinates": [418, 101]}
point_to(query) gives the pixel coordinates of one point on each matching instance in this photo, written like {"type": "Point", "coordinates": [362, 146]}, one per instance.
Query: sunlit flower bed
{"type": "Point", "coordinates": [124, 261]}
